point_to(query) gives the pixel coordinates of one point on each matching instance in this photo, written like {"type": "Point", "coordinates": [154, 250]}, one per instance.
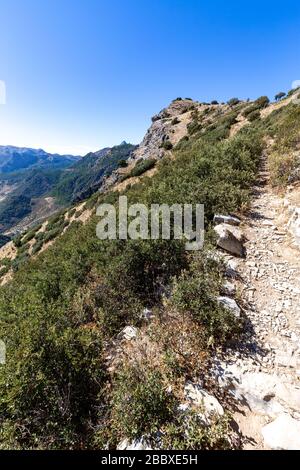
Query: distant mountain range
{"type": "Point", "coordinates": [34, 183]}
{"type": "Point", "coordinates": [14, 159]}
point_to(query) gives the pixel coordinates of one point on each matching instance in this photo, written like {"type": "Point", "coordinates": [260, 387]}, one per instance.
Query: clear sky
{"type": "Point", "coordinates": [84, 74]}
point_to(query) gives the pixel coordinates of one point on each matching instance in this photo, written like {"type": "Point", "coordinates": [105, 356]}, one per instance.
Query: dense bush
{"type": "Point", "coordinates": [140, 402]}
{"type": "Point", "coordinates": [253, 116]}
{"type": "Point", "coordinates": [187, 432]}
{"type": "Point", "coordinates": [196, 291]}
{"type": "Point", "coordinates": [280, 95]}
{"type": "Point", "coordinates": [167, 145]}
{"type": "Point", "coordinates": [233, 101]}
{"type": "Point", "coordinates": [143, 166]}
{"type": "Point", "coordinates": [61, 304]}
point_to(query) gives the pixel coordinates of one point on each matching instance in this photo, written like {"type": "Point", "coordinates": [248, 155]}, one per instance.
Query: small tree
{"type": "Point", "coordinates": [280, 95]}
{"type": "Point", "coordinates": [214, 102]}
{"type": "Point", "coordinates": [262, 102]}
{"type": "Point", "coordinates": [233, 102]}
{"type": "Point", "coordinates": [122, 163]}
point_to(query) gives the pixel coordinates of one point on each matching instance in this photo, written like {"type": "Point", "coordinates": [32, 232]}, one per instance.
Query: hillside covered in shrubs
{"type": "Point", "coordinates": [71, 380]}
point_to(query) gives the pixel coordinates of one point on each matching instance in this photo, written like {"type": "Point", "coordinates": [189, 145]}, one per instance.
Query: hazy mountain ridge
{"type": "Point", "coordinates": [13, 159]}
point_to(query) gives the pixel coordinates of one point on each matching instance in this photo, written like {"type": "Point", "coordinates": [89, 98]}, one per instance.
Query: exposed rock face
{"type": "Point", "coordinates": [282, 434]}
{"type": "Point", "coordinates": [230, 239]}
{"type": "Point", "coordinates": [163, 129]}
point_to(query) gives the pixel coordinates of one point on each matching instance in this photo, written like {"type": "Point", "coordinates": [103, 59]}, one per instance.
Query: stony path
{"type": "Point", "coordinates": [264, 374]}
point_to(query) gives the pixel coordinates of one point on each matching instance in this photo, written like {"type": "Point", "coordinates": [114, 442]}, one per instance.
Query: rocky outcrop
{"type": "Point", "coordinates": [163, 128]}
{"type": "Point", "coordinates": [226, 219]}
{"type": "Point", "coordinates": [230, 239]}
{"type": "Point", "coordinates": [282, 434]}
{"type": "Point", "coordinates": [231, 305]}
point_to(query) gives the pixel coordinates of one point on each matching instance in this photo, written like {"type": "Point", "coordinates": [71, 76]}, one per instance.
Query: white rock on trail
{"type": "Point", "coordinates": [226, 219]}
{"type": "Point", "coordinates": [230, 239]}
{"type": "Point", "coordinates": [294, 226]}
{"type": "Point", "coordinates": [229, 288]}
{"type": "Point", "coordinates": [282, 434]}
{"type": "Point", "coordinates": [230, 304]}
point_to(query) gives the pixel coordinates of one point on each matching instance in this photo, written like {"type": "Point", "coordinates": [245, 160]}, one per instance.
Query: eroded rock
{"type": "Point", "coordinates": [230, 239]}
{"type": "Point", "coordinates": [230, 304]}
{"type": "Point", "coordinates": [282, 434]}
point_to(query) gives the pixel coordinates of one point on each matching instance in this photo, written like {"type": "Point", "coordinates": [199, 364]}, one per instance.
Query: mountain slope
{"type": "Point", "coordinates": [119, 337]}
{"type": "Point", "coordinates": [86, 176]}
{"type": "Point", "coordinates": [25, 191]}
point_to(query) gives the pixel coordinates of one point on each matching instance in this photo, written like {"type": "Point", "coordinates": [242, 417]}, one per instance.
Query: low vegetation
{"type": "Point", "coordinates": [64, 307]}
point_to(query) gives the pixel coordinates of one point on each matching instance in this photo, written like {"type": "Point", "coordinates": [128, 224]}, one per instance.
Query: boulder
{"type": "Point", "coordinates": [226, 219]}
{"type": "Point", "coordinates": [230, 239]}
{"type": "Point", "coordinates": [140, 444]}
{"type": "Point", "coordinates": [228, 288]}
{"type": "Point", "coordinates": [230, 304]}
{"type": "Point", "coordinates": [200, 397]}
{"type": "Point", "coordinates": [128, 333]}
{"type": "Point", "coordinates": [147, 314]}
{"type": "Point", "coordinates": [282, 434]}
{"type": "Point", "coordinates": [294, 226]}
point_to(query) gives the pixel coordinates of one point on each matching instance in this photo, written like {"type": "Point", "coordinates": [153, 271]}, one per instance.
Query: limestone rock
{"type": "Point", "coordinates": [230, 239]}
{"type": "Point", "coordinates": [228, 288]}
{"type": "Point", "coordinates": [230, 304]}
{"type": "Point", "coordinates": [294, 226]}
{"type": "Point", "coordinates": [128, 333]}
{"type": "Point", "coordinates": [200, 397]}
{"type": "Point", "coordinates": [140, 444]}
{"type": "Point", "coordinates": [226, 219]}
{"type": "Point", "coordinates": [282, 434]}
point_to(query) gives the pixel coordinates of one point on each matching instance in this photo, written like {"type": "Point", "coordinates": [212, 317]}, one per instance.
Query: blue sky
{"type": "Point", "coordinates": [84, 74]}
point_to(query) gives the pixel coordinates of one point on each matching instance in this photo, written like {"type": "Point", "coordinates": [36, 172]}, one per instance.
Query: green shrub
{"type": "Point", "coordinates": [253, 116]}
{"type": "Point", "coordinates": [4, 270]}
{"type": "Point", "coordinates": [233, 101]}
{"type": "Point", "coordinates": [19, 261]}
{"type": "Point", "coordinates": [52, 234]}
{"type": "Point", "coordinates": [37, 247]}
{"type": "Point", "coordinates": [175, 121]}
{"type": "Point", "coordinates": [18, 241]}
{"type": "Point", "coordinates": [29, 236]}
{"type": "Point", "coordinates": [187, 432]}
{"type": "Point", "coordinates": [5, 262]}
{"type": "Point", "coordinates": [167, 145]}
{"type": "Point", "coordinates": [262, 102]}
{"type": "Point", "coordinates": [196, 291]}
{"type": "Point", "coordinates": [279, 96]}
{"type": "Point", "coordinates": [122, 163]}
{"type": "Point", "coordinates": [52, 400]}
{"type": "Point", "coordinates": [142, 167]}
{"type": "Point", "coordinates": [140, 403]}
